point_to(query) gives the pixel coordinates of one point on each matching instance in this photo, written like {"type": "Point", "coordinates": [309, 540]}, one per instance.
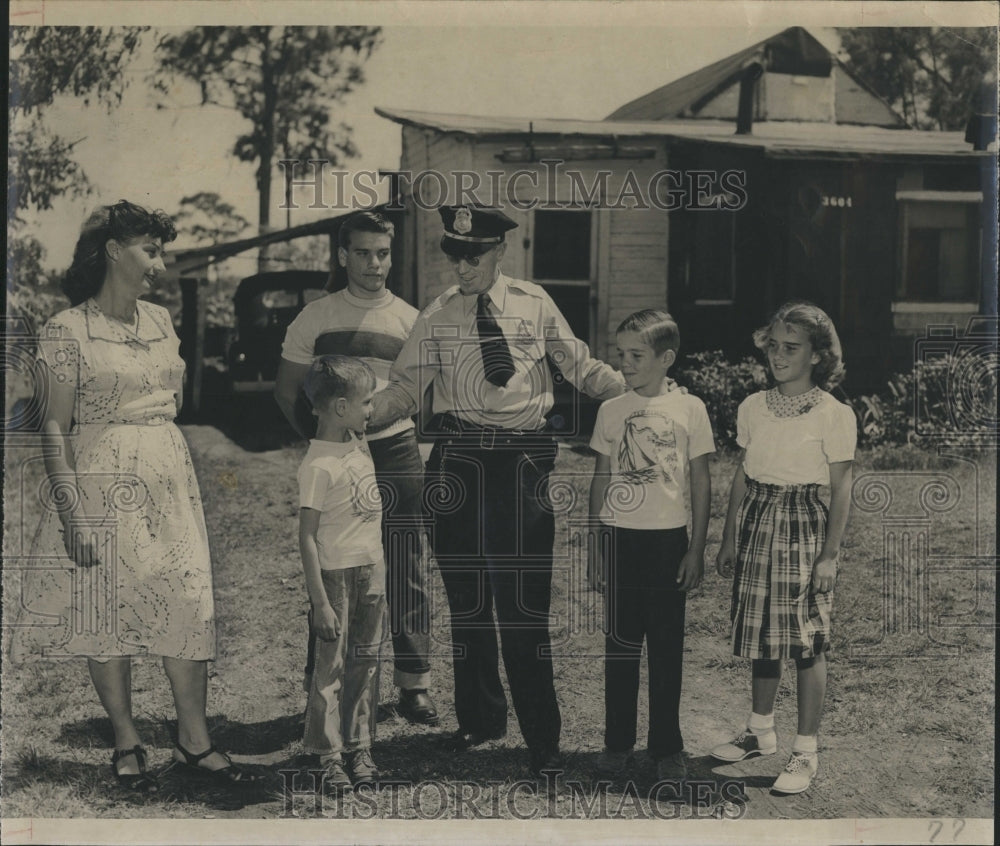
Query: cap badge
{"type": "Point", "coordinates": [463, 221]}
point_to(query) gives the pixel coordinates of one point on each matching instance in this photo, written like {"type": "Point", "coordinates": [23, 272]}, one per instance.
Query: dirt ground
{"type": "Point", "coordinates": [908, 729]}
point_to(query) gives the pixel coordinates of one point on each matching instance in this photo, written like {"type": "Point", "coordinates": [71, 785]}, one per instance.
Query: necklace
{"type": "Point", "coordinates": [781, 406]}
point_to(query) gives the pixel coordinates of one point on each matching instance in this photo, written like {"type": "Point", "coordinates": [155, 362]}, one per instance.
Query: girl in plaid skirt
{"type": "Point", "coordinates": [780, 538]}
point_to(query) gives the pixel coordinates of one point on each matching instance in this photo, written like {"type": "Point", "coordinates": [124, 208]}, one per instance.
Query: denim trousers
{"type": "Point", "coordinates": [642, 602]}
{"type": "Point", "coordinates": [340, 714]}
{"type": "Point", "coordinates": [400, 473]}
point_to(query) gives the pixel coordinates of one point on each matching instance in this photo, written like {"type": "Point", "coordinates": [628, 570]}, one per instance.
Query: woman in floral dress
{"type": "Point", "coordinates": [121, 564]}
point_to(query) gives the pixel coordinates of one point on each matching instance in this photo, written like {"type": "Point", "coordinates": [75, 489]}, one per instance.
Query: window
{"type": "Point", "coordinates": [713, 269]}
{"type": "Point", "coordinates": [561, 245]}
{"type": "Point", "coordinates": [939, 238]}
{"type": "Point", "coordinates": [562, 256]}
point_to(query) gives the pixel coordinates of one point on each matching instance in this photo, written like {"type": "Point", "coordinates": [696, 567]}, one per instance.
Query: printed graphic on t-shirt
{"type": "Point", "coordinates": [366, 502]}
{"type": "Point", "coordinates": [648, 449]}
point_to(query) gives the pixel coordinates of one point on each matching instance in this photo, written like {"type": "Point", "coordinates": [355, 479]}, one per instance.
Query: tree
{"type": "Point", "coordinates": [286, 82]}
{"type": "Point", "coordinates": [206, 217]}
{"type": "Point", "coordinates": [45, 63]}
{"type": "Point", "coordinates": [931, 75]}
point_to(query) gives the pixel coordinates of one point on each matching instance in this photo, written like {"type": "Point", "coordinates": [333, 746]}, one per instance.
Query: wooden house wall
{"type": "Point", "coordinates": [629, 260]}
{"type": "Point", "coordinates": [853, 104]}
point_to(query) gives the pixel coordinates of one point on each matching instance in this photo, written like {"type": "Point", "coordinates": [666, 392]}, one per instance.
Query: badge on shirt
{"type": "Point", "coordinates": [525, 332]}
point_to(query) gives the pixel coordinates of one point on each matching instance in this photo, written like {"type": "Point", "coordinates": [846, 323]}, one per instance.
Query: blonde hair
{"type": "Point", "coordinates": [656, 328]}
{"type": "Point", "coordinates": [829, 371]}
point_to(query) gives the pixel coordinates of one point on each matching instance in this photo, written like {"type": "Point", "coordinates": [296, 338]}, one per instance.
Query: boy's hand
{"type": "Point", "coordinates": [725, 560]}
{"type": "Point", "coordinates": [325, 622]}
{"type": "Point", "coordinates": [597, 571]}
{"type": "Point", "coordinates": [824, 574]}
{"type": "Point", "coordinates": [691, 570]}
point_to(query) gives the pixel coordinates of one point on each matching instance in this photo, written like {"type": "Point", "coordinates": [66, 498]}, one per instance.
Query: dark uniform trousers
{"type": "Point", "coordinates": [493, 528]}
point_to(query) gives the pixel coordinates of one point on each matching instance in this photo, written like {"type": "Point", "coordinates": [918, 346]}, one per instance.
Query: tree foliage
{"type": "Point", "coordinates": [45, 63]}
{"type": "Point", "coordinates": [930, 75]}
{"type": "Point", "coordinates": [286, 82]}
{"type": "Point", "coordinates": [206, 217]}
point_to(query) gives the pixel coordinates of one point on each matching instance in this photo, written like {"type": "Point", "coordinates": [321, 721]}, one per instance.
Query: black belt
{"type": "Point", "coordinates": [454, 429]}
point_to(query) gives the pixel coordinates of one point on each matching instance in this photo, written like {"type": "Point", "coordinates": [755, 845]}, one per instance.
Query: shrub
{"type": "Point", "coordinates": [722, 385]}
{"type": "Point", "coordinates": [947, 400]}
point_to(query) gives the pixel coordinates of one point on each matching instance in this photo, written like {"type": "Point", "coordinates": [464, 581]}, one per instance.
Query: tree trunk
{"type": "Point", "coordinates": [270, 89]}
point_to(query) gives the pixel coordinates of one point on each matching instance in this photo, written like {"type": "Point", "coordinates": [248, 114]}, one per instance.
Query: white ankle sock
{"type": "Point", "coordinates": [805, 744]}
{"type": "Point", "coordinates": [761, 724]}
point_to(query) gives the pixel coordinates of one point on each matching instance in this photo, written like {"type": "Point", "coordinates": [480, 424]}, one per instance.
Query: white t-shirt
{"type": "Point", "coordinates": [343, 324]}
{"type": "Point", "coordinates": [795, 450]}
{"type": "Point", "coordinates": [338, 480]}
{"type": "Point", "coordinates": [650, 441]}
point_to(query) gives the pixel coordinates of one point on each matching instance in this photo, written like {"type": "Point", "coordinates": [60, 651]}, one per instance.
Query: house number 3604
{"type": "Point", "coordinates": [838, 202]}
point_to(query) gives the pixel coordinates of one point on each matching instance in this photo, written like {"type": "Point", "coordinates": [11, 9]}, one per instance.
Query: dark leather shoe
{"type": "Point", "coordinates": [462, 740]}
{"type": "Point", "coordinates": [416, 706]}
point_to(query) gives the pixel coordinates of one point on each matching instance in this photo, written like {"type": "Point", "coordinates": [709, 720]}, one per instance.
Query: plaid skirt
{"type": "Point", "coordinates": [774, 613]}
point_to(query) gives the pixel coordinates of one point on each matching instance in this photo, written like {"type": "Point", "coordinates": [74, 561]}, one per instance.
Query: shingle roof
{"type": "Point", "coordinates": [793, 51]}
{"type": "Point", "coordinates": [774, 138]}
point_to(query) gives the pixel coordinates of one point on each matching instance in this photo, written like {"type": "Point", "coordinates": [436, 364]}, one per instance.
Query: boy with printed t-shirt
{"type": "Point", "coordinates": [650, 443]}
{"type": "Point", "coordinates": [340, 541]}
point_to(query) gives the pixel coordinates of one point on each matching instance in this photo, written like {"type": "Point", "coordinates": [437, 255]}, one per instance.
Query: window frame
{"type": "Point", "coordinates": [906, 201]}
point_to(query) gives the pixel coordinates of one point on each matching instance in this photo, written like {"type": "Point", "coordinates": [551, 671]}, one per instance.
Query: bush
{"type": "Point", "coordinates": [722, 386]}
{"type": "Point", "coordinates": [947, 400]}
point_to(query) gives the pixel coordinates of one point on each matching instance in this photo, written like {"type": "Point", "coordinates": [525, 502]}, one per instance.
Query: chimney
{"type": "Point", "coordinates": [748, 82]}
{"type": "Point", "coordinates": [981, 130]}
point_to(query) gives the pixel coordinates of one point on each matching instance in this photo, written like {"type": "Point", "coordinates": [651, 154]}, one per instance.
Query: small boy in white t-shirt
{"type": "Point", "coordinates": [340, 541]}
{"type": "Point", "coordinates": [651, 442]}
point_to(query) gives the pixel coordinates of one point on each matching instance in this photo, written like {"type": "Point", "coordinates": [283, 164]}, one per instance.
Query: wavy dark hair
{"type": "Point", "coordinates": [122, 222]}
{"type": "Point", "coordinates": [809, 317]}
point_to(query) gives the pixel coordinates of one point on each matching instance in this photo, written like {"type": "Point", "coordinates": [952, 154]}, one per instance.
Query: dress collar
{"type": "Point", "coordinates": [100, 327]}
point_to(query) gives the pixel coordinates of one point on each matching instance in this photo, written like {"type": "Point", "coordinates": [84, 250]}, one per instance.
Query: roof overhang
{"type": "Point", "coordinates": [774, 139]}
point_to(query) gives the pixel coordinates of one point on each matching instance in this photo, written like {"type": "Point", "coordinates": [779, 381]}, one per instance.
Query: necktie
{"type": "Point", "coordinates": [497, 362]}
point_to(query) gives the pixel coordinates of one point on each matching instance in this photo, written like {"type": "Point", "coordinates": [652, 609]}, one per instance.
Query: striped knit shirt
{"type": "Point", "coordinates": [343, 324]}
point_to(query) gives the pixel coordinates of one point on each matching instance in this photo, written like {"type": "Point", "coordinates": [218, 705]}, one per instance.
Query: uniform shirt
{"type": "Point", "coordinates": [338, 480]}
{"type": "Point", "coordinates": [443, 350]}
{"type": "Point", "coordinates": [651, 441]}
{"type": "Point", "coordinates": [795, 450]}
{"type": "Point", "coordinates": [343, 324]}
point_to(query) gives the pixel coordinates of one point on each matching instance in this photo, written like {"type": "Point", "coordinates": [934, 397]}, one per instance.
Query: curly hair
{"type": "Point", "coordinates": [121, 222]}
{"type": "Point", "coordinates": [810, 318]}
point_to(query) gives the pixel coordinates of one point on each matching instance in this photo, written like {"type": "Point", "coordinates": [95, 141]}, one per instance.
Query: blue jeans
{"type": "Point", "coordinates": [400, 473]}
{"type": "Point", "coordinates": [340, 714]}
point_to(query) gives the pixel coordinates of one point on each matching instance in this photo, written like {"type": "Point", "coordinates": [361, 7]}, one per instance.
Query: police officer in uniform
{"type": "Point", "coordinates": [482, 346]}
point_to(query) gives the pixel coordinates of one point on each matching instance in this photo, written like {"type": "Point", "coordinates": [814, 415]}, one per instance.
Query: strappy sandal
{"type": "Point", "coordinates": [140, 782]}
{"type": "Point", "coordinates": [231, 776]}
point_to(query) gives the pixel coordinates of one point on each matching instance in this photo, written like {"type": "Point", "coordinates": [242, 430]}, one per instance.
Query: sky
{"type": "Point", "coordinates": [155, 150]}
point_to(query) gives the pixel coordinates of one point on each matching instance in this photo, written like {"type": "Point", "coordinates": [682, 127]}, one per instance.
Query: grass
{"type": "Point", "coordinates": [907, 730]}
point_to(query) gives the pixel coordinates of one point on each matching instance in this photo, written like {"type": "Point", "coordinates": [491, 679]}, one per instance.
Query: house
{"type": "Point", "coordinates": [772, 174]}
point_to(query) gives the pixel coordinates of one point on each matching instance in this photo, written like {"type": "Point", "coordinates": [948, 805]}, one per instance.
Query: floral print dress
{"type": "Point", "coordinates": [151, 592]}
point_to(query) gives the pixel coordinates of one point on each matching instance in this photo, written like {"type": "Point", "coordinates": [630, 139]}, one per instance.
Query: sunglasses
{"type": "Point", "coordinates": [472, 261]}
